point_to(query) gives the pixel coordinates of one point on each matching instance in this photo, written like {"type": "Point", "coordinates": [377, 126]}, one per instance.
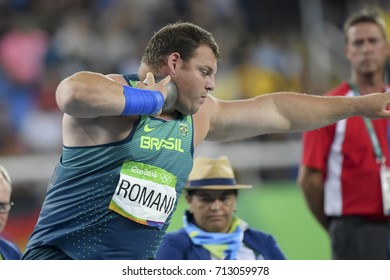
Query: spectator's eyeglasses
{"type": "Point", "coordinates": [5, 207]}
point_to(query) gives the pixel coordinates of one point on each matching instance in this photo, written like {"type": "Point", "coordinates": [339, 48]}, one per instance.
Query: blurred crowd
{"type": "Point", "coordinates": [44, 41]}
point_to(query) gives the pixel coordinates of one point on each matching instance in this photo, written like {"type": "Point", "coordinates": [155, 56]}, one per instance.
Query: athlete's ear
{"type": "Point", "coordinates": [174, 61]}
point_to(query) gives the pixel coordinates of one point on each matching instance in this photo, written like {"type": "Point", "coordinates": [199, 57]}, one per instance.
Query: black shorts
{"type": "Point", "coordinates": [359, 238]}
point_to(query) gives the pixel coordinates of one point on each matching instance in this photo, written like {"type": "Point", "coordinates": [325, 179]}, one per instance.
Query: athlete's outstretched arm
{"type": "Point", "coordinates": [285, 112]}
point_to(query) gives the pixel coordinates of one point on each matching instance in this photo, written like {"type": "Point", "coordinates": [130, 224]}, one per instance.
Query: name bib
{"type": "Point", "coordinates": [145, 194]}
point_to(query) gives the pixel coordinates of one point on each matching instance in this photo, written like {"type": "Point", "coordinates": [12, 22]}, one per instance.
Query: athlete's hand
{"type": "Point", "coordinates": [163, 85]}
{"type": "Point", "coordinates": [375, 105]}
{"type": "Point", "coordinates": [170, 100]}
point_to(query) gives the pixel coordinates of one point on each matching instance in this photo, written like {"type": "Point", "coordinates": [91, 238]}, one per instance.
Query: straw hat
{"type": "Point", "coordinates": [213, 174]}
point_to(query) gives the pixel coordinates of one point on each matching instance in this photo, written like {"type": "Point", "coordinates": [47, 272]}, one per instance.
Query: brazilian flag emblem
{"type": "Point", "coordinates": [183, 129]}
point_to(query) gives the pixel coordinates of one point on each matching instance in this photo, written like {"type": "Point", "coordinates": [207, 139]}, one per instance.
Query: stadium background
{"type": "Point", "coordinates": [266, 46]}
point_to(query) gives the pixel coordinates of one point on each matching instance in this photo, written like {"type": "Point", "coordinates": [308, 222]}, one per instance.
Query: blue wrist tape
{"type": "Point", "coordinates": [142, 101]}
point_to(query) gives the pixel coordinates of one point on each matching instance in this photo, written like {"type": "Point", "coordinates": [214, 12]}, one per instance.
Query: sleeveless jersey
{"type": "Point", "coordinates": [75, 215]}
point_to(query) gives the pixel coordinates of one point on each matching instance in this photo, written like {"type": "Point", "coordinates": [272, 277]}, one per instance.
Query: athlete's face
{"type": "Point", "coordinates": [367, 48]}
{"type": "Point", "coordinates": [194, 79]}
{"type": "Point", "coordinates": [213, 209]}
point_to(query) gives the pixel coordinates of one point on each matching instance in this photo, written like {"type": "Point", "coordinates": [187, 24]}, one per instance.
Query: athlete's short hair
{"type": "Point", "coordinates": [182, 37]}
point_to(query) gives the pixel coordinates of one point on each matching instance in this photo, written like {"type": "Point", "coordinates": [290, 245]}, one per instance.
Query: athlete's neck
{"type": "Point", "coordinates": [169, 115]}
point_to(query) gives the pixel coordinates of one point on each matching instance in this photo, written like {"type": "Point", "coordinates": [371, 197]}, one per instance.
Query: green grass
{"type": "Point", "coordinates": [279, 209]}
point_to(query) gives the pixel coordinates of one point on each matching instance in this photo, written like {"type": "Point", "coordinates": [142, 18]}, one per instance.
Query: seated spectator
{"type": "Point", "coordinates": [211, 231]}
{"type": "Point", "coordinates": [8, 250]}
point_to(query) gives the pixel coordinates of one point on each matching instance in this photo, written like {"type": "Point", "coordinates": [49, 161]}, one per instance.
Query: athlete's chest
{"type": "Point", "coordinates": [155, 138]}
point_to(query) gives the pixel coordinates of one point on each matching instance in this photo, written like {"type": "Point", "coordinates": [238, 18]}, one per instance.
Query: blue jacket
{"type": "Point", "coordinates": [9, 251]}
{"type": "Point", "coordinates": [178, 246]}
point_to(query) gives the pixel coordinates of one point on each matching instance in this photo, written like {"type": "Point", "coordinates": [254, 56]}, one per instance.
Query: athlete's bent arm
{"type": "Point", "coordinates": [91, 95]}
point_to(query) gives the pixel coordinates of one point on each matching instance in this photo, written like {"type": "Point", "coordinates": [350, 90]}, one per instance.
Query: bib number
{"type": "Point", "coordinates": [145, 194]}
